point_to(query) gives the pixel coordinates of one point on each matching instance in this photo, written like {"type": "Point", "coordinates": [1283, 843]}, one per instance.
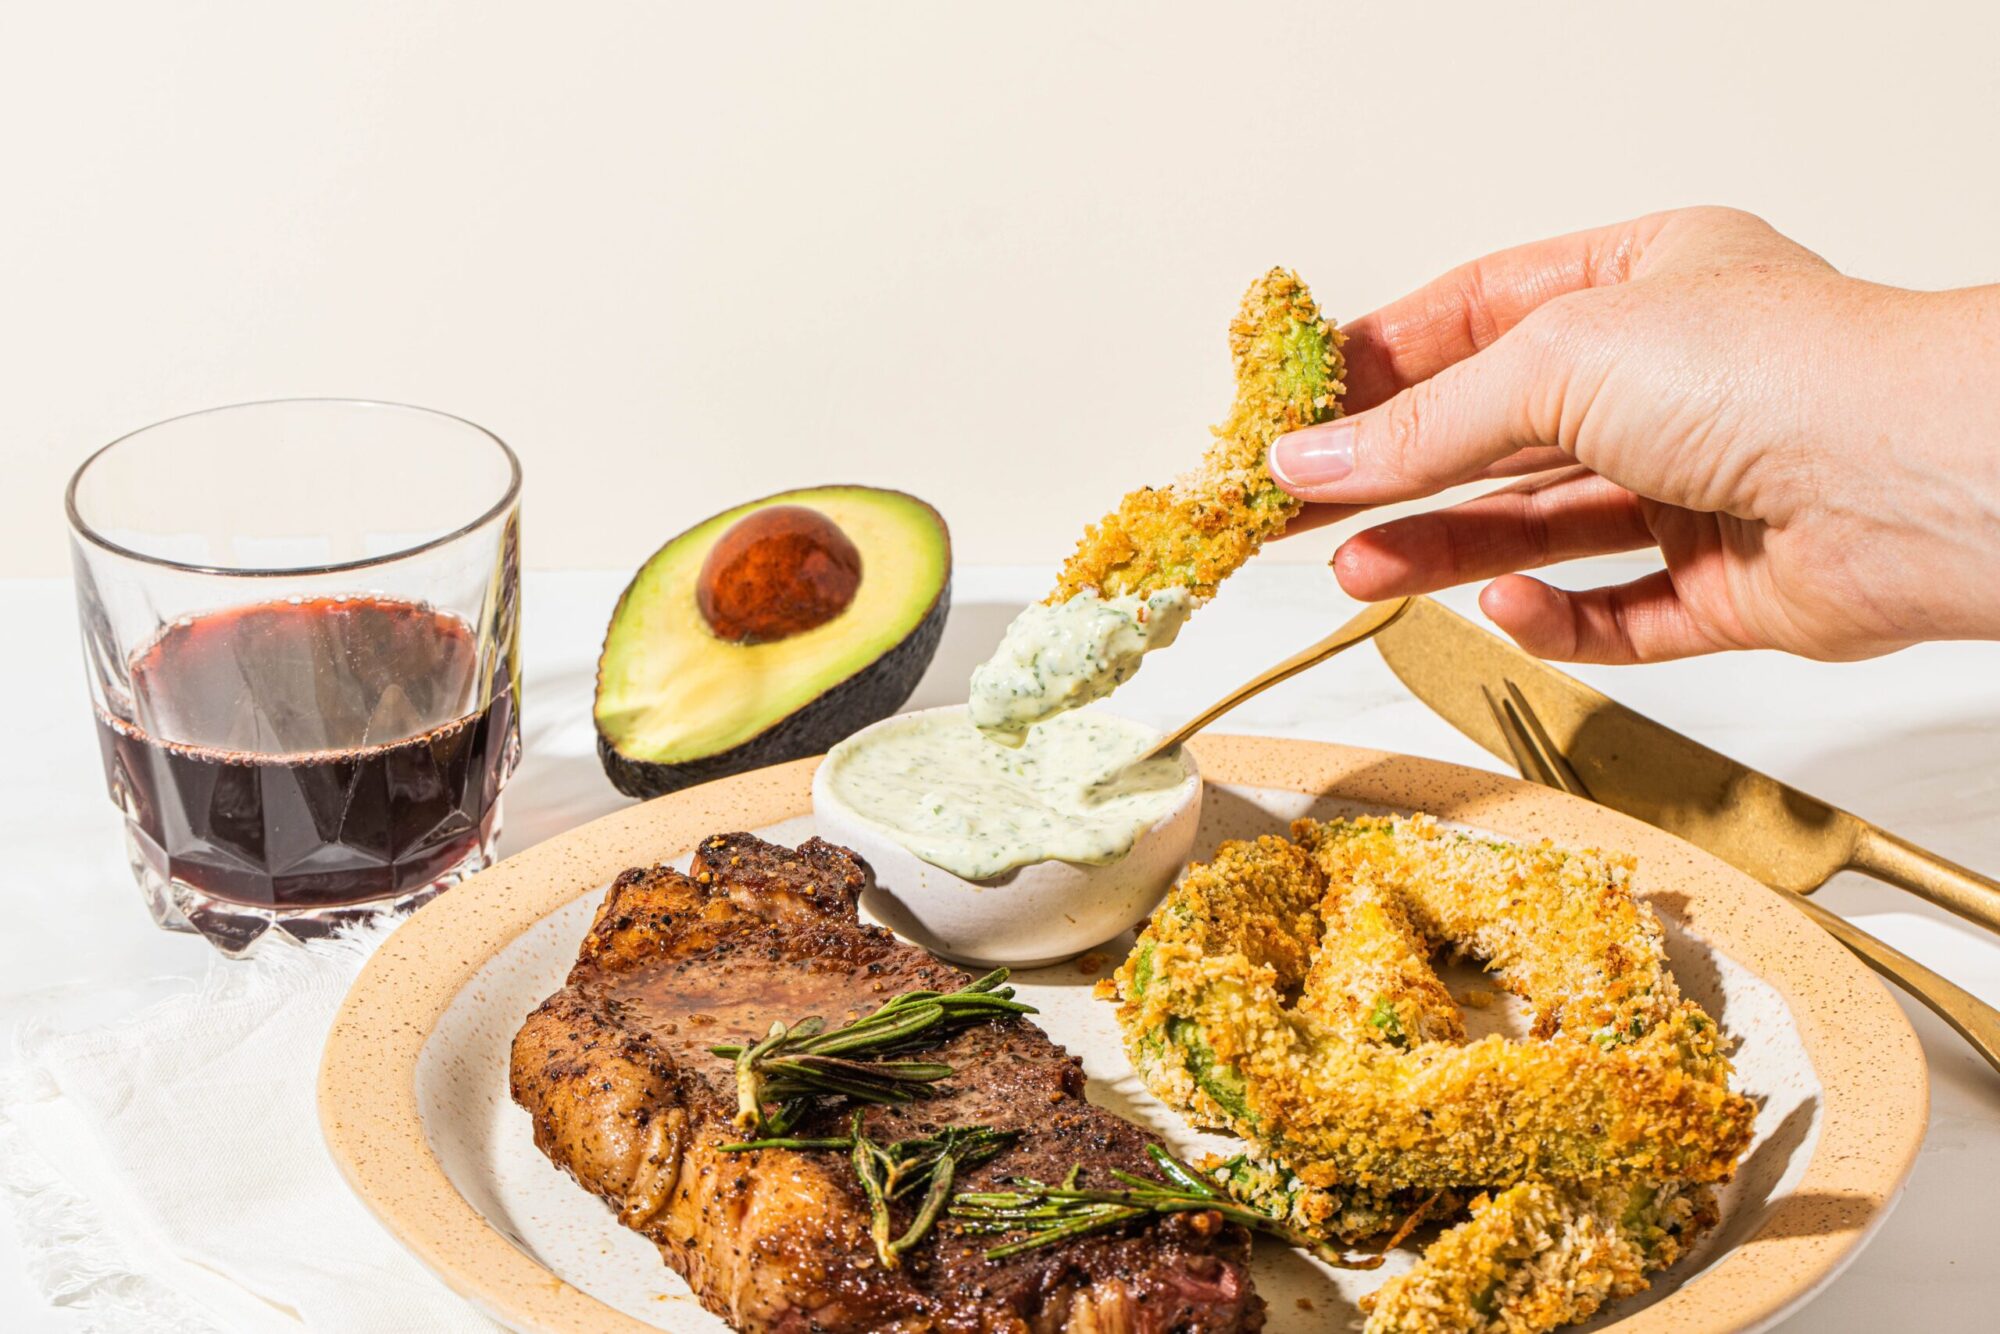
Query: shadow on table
{"type": "Point", "coordinates": [555, 789]}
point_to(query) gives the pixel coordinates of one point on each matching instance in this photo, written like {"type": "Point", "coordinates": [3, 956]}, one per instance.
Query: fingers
{"type": "Point", "coordinates": [1425, 414]}
{"type": "Point", "coordinates": [1515, 396]}
{"type": "Point", "coordinates": [1643, 621]}
{"type": "Point", "coordinates": [1413, 338]}
{"type": "Point", "coordinates": [1521, 463]}
{"type": "Point", "coordinates": [1553, 518]}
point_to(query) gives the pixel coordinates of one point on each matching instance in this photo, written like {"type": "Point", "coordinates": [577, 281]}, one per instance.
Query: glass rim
{"type": "Point", "coordinates": [85, 532]}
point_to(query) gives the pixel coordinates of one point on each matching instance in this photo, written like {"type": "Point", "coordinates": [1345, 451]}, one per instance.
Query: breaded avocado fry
{"type": "Point", "coordinates": [1371, 979]}
{"type": "Point", "coordinates": [1345, 1215]}
{"type": "Point", "coordinates": [1217, 1027]}
{"type": "Point", "coordinates": [1140, 570]}
{"type": "Point", "coordinates": [1540, 1255]}
{"type": "Point", "coordinates": [1368, 980]}
{"type": "Point", "coordinates": [1198, 530]}
{"type": "Point", "coordinates": [1318, 1031]}
{"type": "Point", "coordinates": [1276, 892]}
{"type": "Point", "coordinates": [1557, 927]}
{"type": "Point", "coordinates": [1536, 1255]}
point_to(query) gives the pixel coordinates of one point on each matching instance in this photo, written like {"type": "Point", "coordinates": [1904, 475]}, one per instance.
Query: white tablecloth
{"type": "Point", "coordinates": [1912, 741]}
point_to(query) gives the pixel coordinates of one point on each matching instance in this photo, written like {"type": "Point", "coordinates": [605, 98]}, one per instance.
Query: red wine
{"type": "Point", "coordinates": [311, 753]}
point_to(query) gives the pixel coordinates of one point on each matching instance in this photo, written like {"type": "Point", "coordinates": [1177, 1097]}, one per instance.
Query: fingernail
{"type": "Point", "coordinates": [1315, 456]}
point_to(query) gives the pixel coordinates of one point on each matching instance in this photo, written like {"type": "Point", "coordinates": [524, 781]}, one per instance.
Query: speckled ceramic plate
{"type": "Point", "coordinates": [413, 1089]}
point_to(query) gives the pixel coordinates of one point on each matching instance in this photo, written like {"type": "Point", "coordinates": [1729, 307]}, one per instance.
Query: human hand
{"type": "Point", "coordinates": [1817, 458]}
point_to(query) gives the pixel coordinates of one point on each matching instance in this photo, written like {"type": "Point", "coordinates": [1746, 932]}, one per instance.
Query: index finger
{"type": "Point", "coordinates": [1447, 320]}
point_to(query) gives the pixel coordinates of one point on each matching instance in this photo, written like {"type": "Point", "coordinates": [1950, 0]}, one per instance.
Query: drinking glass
{"type": "Point", "coordinates": [300, 620]}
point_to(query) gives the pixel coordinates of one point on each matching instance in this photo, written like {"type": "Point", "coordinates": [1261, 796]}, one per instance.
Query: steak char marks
{"type": "Point", "coordinates": [625, 1094]}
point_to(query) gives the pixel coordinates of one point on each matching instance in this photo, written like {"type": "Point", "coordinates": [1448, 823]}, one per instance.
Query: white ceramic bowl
{"type": "Point", "coordinates": [1035, 915]}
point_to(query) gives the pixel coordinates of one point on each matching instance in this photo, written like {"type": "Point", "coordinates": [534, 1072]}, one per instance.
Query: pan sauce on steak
{"type": "Point", "coordinates": [626, 1096]}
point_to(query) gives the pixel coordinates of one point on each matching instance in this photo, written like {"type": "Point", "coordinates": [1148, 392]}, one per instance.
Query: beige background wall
{"type": "Point", "coordinates": [682, 255]}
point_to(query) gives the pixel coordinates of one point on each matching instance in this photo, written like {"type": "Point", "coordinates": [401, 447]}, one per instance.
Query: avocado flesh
{"type": "Point", "coordinates": [676, 705]}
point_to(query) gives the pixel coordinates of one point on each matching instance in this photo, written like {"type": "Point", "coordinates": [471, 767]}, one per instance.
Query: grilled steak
{"type": "Point", "coordinates": [616, 1071]}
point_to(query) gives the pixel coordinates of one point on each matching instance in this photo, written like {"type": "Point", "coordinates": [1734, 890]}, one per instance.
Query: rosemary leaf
{"type": "Point", "coordinates": [784, 1142]}
{"type": "Point", "coordinates": [791, 1065]}
{"type": "Point", "coordinates": [1050, 1215]}
{"type": "Point", "coordinates": [941, 1175]}
{"type": "Point", "coordinates": [869, 1167]}
{"type": "Point", "coordinates": [1174, 1170]}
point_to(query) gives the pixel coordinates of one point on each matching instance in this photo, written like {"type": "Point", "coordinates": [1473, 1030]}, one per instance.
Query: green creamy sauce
{"type": "Point", "coordinates": [1072, 791]}
{"type": "Point", "coordinates": [1055, 658]}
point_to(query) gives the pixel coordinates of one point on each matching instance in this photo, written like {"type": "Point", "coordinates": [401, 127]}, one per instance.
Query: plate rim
{"type": "Point", "coordinates": [1875, 1093]}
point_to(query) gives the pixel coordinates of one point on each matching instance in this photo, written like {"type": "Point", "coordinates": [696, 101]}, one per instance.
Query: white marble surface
{"type": "Point", "coordinates": [1911, 741]}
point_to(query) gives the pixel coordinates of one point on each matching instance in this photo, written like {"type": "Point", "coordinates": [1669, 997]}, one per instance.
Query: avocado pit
{"type": "Point", "coordinates": [777, 572]}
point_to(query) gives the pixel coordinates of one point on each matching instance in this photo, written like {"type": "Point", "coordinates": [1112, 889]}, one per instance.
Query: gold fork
{"type": "Point", "coordinates": [1364, 625]}
{"type": "Point", "coordinates": [1970, 1017]}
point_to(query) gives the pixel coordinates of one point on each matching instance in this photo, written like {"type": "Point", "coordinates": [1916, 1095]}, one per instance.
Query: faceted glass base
{"type": "Point", "coordinates": [236, 928]}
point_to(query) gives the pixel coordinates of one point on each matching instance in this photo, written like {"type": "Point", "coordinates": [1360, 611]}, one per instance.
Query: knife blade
{"type": "Point", "coordinates": [1774, 832]}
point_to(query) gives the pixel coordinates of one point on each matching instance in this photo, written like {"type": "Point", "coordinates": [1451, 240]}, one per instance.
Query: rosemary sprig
{"type": "Point", "coordinates": [792, 1064]}
{"type": "Point", "coordinates": [890, 1172]}
{"type": "Point", "coordinates": [1049, 1215]}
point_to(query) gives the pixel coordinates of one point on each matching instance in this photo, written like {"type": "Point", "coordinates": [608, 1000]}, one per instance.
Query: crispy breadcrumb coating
{"type": "Point", "coordinates": [1536, 1255]}
{"type": "Point", "coordinates": [1539, 1255]}
{"type": "Point", "coordinates": [1278, 893]}
{"type": "Point", "coordinates": [1197, 531]}
{"type": "Point", "coordinates": [1371, 978]}
{"type": "Point", "coordinates": [1210, 1019]}
{"type": "Point", "coordinates": [1559, 928]}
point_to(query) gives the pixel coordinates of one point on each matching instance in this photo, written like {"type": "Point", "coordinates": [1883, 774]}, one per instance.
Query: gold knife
{"type": "Point", "coordinates": [1630, 763]}
{"type": "Point", "coordinates": [1972, 1018]}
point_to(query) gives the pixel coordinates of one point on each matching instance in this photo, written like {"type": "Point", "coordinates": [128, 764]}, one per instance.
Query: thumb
{"type": "Point", "coordinates": [1435, 434]}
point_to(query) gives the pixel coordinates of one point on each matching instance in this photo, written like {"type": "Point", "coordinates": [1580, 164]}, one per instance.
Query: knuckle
{"type": "Point", "coordinates": [1724, 220]}
{"type": "Point", "coordinates": [1565, 354]}
{"type": "Point", "coordinates": [1404, 421]}
{"type": "Point", "coordinates": [1535, 537]}
{"type": "Point", "coordinates": [1625, 634]}
{"type": "Point", "coordinates": [1722, 215]}
{"type": "Point", "coordinates": [1482, 322]}
{"type": "Point", "coordinates": [1554, 329]}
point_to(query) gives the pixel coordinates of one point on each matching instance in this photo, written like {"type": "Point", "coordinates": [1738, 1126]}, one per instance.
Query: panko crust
{"type": "Point", "coordinates": [1200, 529]}
{"type": "Point", "coordinates": [1642, 1093]}
{"type": "Point", "coordinates": [1315, 1028]}
{"type": "Point", "coordinates": [1540, 1255]}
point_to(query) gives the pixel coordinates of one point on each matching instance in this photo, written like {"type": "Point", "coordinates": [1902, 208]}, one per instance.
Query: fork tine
{"type": "Point", "coordinates": [1523, 749]}
{"type": "Point", "coordinates": [1550, 758]}
{"type": "Point", "coordinates": [1534, 755]}
{"type": "Point", "coordinates": [1525, 759]}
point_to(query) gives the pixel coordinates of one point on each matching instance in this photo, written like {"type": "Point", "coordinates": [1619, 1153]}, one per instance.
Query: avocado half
{"type": "Point", "coordinates": [679, 704]}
